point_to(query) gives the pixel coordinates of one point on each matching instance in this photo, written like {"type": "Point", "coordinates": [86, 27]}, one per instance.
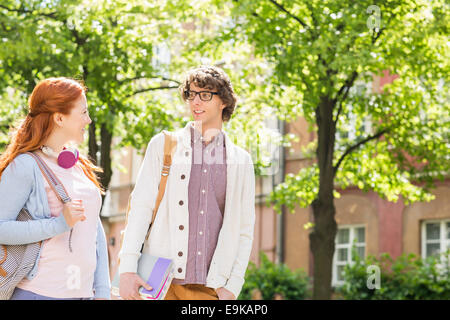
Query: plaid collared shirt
{"type": "Point", "coordinates": [207, 186]}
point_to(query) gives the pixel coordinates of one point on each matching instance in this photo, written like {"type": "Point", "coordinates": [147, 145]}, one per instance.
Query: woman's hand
{"type": "Point", "coordinates": [73, 212]}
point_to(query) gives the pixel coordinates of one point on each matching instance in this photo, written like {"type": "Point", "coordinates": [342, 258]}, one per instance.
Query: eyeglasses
{"type": "Point", "coordinates": [204, 95]}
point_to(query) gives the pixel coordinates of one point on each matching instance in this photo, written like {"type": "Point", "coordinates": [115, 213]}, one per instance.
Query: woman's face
{"type": "Point", "coordinates": [73, 125]}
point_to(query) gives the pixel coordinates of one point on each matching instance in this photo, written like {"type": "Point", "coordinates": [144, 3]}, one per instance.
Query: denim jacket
{"type": "Point", "coordinates": [22, 185]}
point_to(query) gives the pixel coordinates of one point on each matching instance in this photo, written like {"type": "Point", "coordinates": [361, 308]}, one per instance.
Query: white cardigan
{"type": "Point", "coordinates": [167, 238]}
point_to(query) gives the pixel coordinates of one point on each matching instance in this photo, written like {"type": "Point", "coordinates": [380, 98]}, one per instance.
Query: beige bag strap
{"type": "Point", "coordinates": [170, 143]}
{"type": "Point", "coordinates": [52, 179]}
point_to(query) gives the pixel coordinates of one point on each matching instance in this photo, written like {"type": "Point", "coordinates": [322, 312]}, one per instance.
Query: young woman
{"type": "Point", "coordinates": [73, 260]}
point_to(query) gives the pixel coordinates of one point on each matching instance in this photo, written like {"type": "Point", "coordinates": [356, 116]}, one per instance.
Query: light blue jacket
{"type": "Point", "coordinates": [22, 185]}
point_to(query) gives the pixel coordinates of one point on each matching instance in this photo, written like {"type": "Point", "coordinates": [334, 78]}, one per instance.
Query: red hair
{"type": "Point", "coordinates": [48, 97]}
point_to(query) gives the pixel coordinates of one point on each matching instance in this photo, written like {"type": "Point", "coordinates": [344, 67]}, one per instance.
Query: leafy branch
{"type": "Point", "coordinates": [356, 146]}
{"type": "Point", "coordinates": [282, 8]}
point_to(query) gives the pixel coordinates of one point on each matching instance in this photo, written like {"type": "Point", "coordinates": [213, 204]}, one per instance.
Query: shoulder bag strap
{"type": "Point", "coordinates": [51, 178]}
{"type": "Point", "coordinates": [55, 184]}
{"type": "Point", "coordinates": [170, 143]}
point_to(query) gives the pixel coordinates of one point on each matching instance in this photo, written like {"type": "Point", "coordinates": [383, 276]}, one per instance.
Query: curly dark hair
{"type": "Point", "coordinates": [212, 78]}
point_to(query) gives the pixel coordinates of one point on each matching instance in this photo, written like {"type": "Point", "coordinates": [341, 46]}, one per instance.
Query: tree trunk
{"type": "Point", "coordinates": [93, 147]}
{"type": "Point", "coordinates": [105, 154]}
{"type": "Point", "coordinates": [324, 232]}
{"type": "Point", "coordinates": [322, 248]}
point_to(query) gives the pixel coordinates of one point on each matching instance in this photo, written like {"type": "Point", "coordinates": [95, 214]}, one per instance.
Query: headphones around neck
{"type": "Point", "coordinates": [66, 158]}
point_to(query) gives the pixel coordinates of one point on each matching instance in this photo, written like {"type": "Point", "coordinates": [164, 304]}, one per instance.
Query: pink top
{"type": "Point", "coordinates": [61, 273]}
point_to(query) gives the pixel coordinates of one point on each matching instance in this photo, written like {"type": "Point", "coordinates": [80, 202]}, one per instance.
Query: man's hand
{"type": "Point", "coordinates": [129, 285]}
{"type": "Point", "coordinates": [225, 294]}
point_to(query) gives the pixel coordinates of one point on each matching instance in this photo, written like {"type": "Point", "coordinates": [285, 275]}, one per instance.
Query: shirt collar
{"type": "Point", "coordinates": [196, 137]}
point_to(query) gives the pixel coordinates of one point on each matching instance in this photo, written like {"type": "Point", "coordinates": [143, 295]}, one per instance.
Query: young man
{"type": "Point", "coordinates": [206, 218]}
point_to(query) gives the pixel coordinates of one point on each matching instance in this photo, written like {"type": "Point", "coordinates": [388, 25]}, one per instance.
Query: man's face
{"type": "Point", "coordinates": [208, 112]}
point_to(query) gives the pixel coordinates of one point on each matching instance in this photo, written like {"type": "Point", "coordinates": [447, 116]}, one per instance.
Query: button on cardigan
{"type": "Point", "coordinates": [208, 174]}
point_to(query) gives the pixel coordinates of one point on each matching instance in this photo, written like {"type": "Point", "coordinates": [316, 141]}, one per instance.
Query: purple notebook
{"type": "Point", "coordinates": [156, 271]}
{"type": "Point", "coordinates": [158, 278]}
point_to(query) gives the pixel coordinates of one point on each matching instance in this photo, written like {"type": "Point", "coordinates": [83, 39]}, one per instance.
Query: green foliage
{"type": "Point", "coordinates": [408, 277]}
{"type": "Point", "coordinates": [132, 56]}
{"type": "Point", "coordinates": [12, 110]}
{"type": "Point", "coordinates": [271, 278]}
{"type": "Point", "coordinates": [300, 188]}
{"type": "Point", "coordinates": [318, 51]}
{"type": "Point", "coordinates": [111, 45]}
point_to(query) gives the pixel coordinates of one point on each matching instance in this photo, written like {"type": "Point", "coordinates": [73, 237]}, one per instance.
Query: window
{"type": "Point", "coordinates": [161, 59]}
{"type": "Point", "coordinates": [435, 237]}
{"type": "Point", "coordinates": [348, 131]}
{"type": "Point", "coordinates": [346, 238]}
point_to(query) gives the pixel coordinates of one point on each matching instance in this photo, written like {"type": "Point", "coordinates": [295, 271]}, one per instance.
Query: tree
{"type": "Point", "coordinates": [113, 47]}
{"type": "Point", "coordinates": [327, 52]}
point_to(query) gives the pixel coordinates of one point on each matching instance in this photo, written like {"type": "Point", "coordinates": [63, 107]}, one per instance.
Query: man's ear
{"type": "Point", "coordinates": [58, 119]}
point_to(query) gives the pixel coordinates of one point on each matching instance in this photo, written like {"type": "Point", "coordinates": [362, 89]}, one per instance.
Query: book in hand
{"type": "Point", "coordinates": [156, 271]}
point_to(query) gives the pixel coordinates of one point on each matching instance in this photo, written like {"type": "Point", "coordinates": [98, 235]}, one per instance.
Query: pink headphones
{"type": "Point", "coordinates": [66, 158]}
